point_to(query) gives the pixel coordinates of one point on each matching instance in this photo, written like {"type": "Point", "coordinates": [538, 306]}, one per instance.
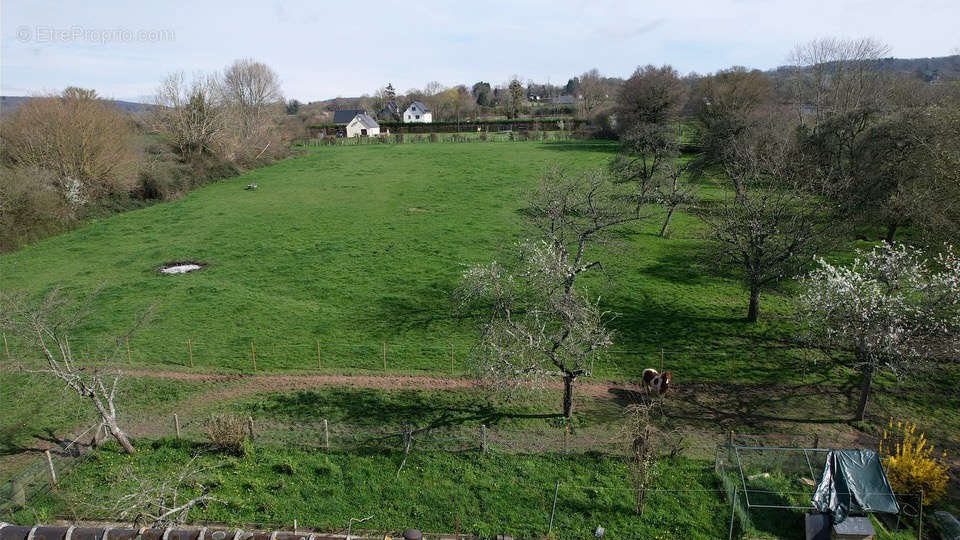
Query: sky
{"type": "Point", "coordinates": [323, 49]}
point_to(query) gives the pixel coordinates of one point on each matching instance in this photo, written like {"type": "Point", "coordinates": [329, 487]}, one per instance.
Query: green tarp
{"type": "Point", "coordinates": [854, 481]}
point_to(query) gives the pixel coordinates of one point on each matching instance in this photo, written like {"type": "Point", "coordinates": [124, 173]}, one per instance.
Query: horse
{"type": "Point", "coordinates": [654, 381]}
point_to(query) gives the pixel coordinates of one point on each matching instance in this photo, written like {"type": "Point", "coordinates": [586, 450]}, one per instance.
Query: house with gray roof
{"type": "Point", "coordinates": [346, 115]}
{"type": "Point", "coordinates": [363, 125]}
{"type": "Point", "coordinates": [417, 112]}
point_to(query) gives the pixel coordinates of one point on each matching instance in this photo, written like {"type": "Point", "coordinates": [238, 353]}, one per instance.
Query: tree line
{"type": "Point", "coordinates": [838, 151]}
{"type": "Point", "coordinates": [69, 156]}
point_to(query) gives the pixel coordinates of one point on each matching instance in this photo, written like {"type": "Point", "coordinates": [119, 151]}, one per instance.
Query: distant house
{"type": "Point", "coordinates": [417, 112]}
{"type": "Point", "coordinates": [390, 113]}
{"type": "Point", "coordinates": [565, 100]}
{"type": "Point", "coordinates": [362, 125]}
{"type": "Point", "coordinates": [345, 116]}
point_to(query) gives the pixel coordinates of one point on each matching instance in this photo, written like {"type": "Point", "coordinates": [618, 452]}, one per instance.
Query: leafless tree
{"type": "Point", "coordinates": [593, 91]}
{"type": "Point", "coordinates": [536, 323]}
{"type": "Point", "coordinates": [85, 141]}
{"type": "Point", "coordinates": [641, 450]}
{"type": "Point", "coordinates": [771, 225]}
{"type": "Point", "coordinates": [189, 114]}
{"type": "Point", "coordinates": [46, 325]}
{"type": "Point", "coordinates": [252, 91]}
{"type": "Point", "coordinates": [837, 77]}
{"type": "Point", "coordinates": [675, 190]}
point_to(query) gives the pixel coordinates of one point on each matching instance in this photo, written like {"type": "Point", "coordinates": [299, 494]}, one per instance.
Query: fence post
{"type": "Point", "coordinates": [920, 524]}
{"type": "Point", "coordinates": [190, 349]}
{"type": "Point", "coordinates": [318, 354]}
{"type": "Point", "coordinates": [6, 348]}
{"type": "Point", "coordinates": [250, 426]}
{"type": "Point", "coordinates": [661, 360]}
{"type": "Point", "coordinates": [733, 511]}
{"type": "Point", "coordinates": [253, 356]}
{"type": "Point", "coordinates": [176, 424]}
{"type": "Point", "coordinates": [384, 356]}
{"type": "Point", "coordinates": [326, 434]}
{"type": "Point", "coordinates": [566, 431]}
{"type": "Point", "coordinates": [451, 358]}
{"type": "Point", "coordinates": [483, 438]}
{"type": "Point", "coordinates": [553, 509]}
{"type": "Point", "coordinates": [53, 473]}
{"type": "Point", "coordinates": [129, 360]}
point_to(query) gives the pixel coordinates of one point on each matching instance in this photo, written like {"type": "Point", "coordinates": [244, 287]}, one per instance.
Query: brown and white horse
{"type": "Point", "coordinates": [656, 382]}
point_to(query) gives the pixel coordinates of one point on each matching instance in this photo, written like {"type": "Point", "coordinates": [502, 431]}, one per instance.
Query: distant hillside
{"type": "Point", "coordinates": [9, 103]}
{"type": "Point", "coordinates": [927, 69]}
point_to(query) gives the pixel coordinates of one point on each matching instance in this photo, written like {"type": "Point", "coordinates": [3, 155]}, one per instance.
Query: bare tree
{"type": "Point", "coordinates": [838, 76]}
{"type": "Point", "coordinates": [771, 225]}
{"type": "Point", "coordinates": [892, 309]}
{"type": "Point", "coordinates": [536, 323]}
{"type": "Point", "coordinates": [47, 325]}
{"type": "Point", "coordinates": [593, 91]}
{"type": "Point", "coordinates": [189, 114]}
{"type": "Point", "coordinates": [252, 90]}
{"type": "Point", "coordinates": [674, 191]}
{"type": "Point", "coordinates": [85, 141]}
{"type": "Point", "coordinates": [642, 453]}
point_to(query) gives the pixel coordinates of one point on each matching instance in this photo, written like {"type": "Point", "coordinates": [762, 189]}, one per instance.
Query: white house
{"type": "Point", "coordinates": [417, 112]}
{"type": "Point", "coordinates": [363, 125]}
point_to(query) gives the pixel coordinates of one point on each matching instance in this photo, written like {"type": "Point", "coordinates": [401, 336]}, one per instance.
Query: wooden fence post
{"type": "Point", "coordinates": [384, 355]}
{"type": "Point", "coordinates": [816, 439]}
{"type": "Point", "coordinates": [129, 360]}
{"type": "Point", "coordinates": [318, 354]}
{"type": "Point", "coordinates": [253, 356]}
{"type": "Point", "coordinates": [250, 426]}
{"type": "Point", "coordinates": [451, 358]}
{"type": "Point", "coordinates": [326, 434]}
{"type": "Point", "coordinates": [190, 348]}
{"type": "Point", "coordinates": [53, 473]}
{"type": "Point", "coordinates": [176, 424]}
{"type": "Point", "coordinates": [483, 438]}
{"type": "Point", "coordinates": [6, 348]}
{"type": "Point", "coordinates": [661, 360]}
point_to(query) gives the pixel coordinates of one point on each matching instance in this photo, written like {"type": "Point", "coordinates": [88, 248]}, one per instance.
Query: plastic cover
{"type": "Point", "coordinates": [854, 481]}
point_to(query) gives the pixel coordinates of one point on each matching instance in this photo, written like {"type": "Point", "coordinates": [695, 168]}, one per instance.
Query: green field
{"type": "Point", "coordinates": [358, 246]}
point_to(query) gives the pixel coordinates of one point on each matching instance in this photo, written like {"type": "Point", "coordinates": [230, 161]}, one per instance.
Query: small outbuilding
{"type": "Point", "coordinates": [363, 125]}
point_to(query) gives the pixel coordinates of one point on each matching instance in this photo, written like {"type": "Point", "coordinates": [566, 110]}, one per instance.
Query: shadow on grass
{"type": "Point", "coordinates": [602, 146]}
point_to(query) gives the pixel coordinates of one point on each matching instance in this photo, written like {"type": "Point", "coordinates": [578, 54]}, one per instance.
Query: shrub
{"type": "Point", "coordinates": [228, 434]}
{"type": "Point", "coordinates": [910, 462]}
{"type": "Point", "coordinates": [31, 206]}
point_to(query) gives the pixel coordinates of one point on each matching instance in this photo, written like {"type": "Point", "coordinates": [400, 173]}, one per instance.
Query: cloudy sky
{"type": "Point", "coordinates": [322, 48]}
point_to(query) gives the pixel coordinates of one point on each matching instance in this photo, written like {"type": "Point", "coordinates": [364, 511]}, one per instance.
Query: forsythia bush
{"type": "Point", "coordinates": [910, 463]}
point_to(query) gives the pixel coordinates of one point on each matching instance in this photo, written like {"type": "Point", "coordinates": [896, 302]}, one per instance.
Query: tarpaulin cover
{"type": "Point", "coordinates": [853, 481]}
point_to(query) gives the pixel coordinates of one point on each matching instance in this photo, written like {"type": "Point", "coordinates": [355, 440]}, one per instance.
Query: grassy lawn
{"type": "Point", "coordinates": [435, 491]}
{"type": "Point", "coordinates": [358, 246]}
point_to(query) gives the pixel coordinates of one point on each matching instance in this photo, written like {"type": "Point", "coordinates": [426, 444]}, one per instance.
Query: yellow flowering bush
{"type": "Point", "coordinates": [910, 463]}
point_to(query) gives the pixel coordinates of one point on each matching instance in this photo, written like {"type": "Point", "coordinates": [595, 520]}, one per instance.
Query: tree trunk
{"type": "Point", "coordinates": [864, 391]}
{"type": "Point", "coordinates": [121, 438]}
{"type": "Point", "coordinates": [753, 313]}
{"type": "Point", "coordinates": [891, 232]}
{"type": "Point", "coordinates": [666, 223]}
{"type": "Point", "coordinates": [568, 396]}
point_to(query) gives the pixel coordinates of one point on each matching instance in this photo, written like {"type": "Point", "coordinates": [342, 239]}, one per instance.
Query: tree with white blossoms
{"type": "Point", "coordinates": [536, 323]}
{"type": "Point", "coordinates": [893, 309]}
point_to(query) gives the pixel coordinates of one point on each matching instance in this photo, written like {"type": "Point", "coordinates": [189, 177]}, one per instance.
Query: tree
{"type": "Point", "coordinates": [292, 107]}
{"type": "Point", "coordinates": [592, 90]}
{"type": "Point", "coordinates": [516, 98]}
{"type": "Point", "coordinates": [890, 310]}
{"type": "Point", "coordinates": [188, 115]}
{"type": "Point", "coordinates": [84, 141]}
{"type": "Point", "coordinates": [536, 322]}
{"type": "Point", "coordinates": [652, 95]}
{"type": "Point", "coordinates": [250, 89]}
{"type": "Point", "coordinates": [674, 191]}
{"type": "Point", "coordinates": [482, 92]}
{"type": "Point", "coordinates": [47, 326]}
{"type": "Point", "coordinates": [771, 224]}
